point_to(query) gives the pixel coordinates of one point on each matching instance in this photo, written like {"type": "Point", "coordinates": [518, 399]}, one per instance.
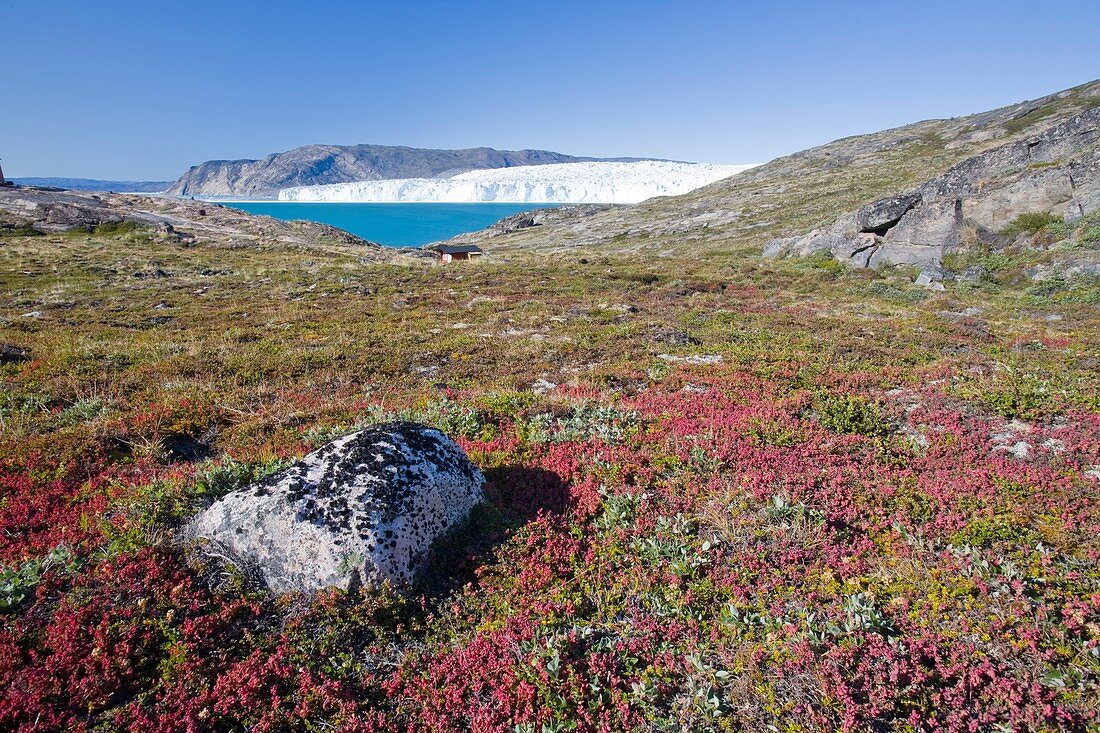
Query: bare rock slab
{"type": "Point", "coordinates": [364, 508]}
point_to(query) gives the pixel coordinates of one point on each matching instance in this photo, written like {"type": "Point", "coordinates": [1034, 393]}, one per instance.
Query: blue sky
{"type": "Point", "coordinates": [142, 90]}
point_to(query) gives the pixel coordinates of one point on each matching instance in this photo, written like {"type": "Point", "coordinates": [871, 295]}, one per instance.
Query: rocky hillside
{"type": "Point", "coordinates": [792, 195]}
{"type": "Point", "coordinates": [1053, 174]}
{"type": "Point", "coordinates": [314, 165]}
{"type": "Point", "coordinates": [48, 211]}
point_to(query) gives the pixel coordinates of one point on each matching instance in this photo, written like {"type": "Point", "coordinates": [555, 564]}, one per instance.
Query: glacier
{"type": "Point", "coordinates": [555, 183]}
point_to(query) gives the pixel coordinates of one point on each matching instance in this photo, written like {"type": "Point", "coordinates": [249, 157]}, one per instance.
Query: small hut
{"type": "Point", "coordinates": [453, 252]}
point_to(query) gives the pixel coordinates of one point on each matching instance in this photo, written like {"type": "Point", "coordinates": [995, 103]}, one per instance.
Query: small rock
{"type": "Point", "coordinates": [1054, 445]}
{"type": "Point", "coordinates": [10, 354]}
{"type": "Point", "coordinates": [929, 276]}
{"type": "Point", "coordinates": [972, 274]}
{"type": "Point", "coordinates": [675, 338]}
{"type": "Point", "coordinates": [693, 359]}
{"type": "Point", "coordinates": [543, 386]}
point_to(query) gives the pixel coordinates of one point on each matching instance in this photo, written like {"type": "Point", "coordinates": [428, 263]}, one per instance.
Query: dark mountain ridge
{"type": "Point", "coordinates": [312, 165]}
{"type": "Point", "coordinates": [94, 184]}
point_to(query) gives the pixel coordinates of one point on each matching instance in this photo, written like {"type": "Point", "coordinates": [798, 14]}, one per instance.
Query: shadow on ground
{"type": "Point", "coordinates": [515, 495]}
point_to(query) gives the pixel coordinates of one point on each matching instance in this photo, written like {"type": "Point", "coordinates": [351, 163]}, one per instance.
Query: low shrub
{"type": "Point", "coordinates": [846, 413]}
{"type": "Point", "coordinates": [118, 227]}
{"type": "Point", "coordinates": [1031, 223]}
{"type": "Point", "coordinates": [19, 231]}
{"type": "Point", "coordinates": [823, 259]}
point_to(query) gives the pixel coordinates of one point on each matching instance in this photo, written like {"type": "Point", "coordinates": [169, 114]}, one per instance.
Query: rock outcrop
{"type": "Point", "coordinates": [313, 165]}
{"type": "Point", "coordinates": [48, 210]}
{"type": "Point", "coordinates": [363, 509]}
{"type": "Point", "coordinates": [1056, 171]}
{"type": "Point", "coordinates": [540, 217]}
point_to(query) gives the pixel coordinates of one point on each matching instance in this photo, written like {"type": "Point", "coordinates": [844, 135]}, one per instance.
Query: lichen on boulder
{"type": "Point", "coordinates": [363, 509]}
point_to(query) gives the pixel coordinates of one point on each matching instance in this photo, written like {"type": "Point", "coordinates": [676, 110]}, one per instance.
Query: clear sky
{"type": "Point", "coordinates": [123, 89]}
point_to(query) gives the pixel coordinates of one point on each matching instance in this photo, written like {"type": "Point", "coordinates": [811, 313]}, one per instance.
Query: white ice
{"type": "Point", "coordinates": [564, 183]}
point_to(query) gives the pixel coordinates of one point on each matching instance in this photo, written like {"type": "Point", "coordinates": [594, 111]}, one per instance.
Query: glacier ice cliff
{"type": "Point", "coordinates": [565, 183]}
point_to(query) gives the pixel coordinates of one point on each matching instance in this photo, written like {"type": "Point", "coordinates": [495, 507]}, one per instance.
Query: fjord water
{"type": "Point", "coordinates": [396, 224]}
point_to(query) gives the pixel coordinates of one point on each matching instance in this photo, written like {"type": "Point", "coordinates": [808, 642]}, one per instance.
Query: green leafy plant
{"type": "Point", "coordinates": [17, 583]}
{"type": "Point", "coordinates": [847, 413]}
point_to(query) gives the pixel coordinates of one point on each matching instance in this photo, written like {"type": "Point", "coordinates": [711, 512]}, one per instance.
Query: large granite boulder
{"type": "Point", "coordinates": [363, 509]}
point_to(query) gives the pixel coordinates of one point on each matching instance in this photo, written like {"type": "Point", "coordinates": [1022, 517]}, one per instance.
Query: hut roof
{"type": "Point", "coordinates": [457, 249]}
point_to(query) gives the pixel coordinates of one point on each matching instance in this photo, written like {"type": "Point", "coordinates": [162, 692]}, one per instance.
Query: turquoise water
{"type": "Point", "coordinates": [394, 225]}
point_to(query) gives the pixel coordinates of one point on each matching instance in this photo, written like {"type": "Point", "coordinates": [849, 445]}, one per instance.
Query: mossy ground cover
{"type": "Point", "coordinates": [875, 511]}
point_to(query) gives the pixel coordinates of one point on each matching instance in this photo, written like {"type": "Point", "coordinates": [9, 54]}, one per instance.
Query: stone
{"type": "Point", "coordinates": [704, 359]}
{"type": "Point", "coordinates": [923, 235]}
{"type": "Point", "coordinates": [878, 217]}
{"type": "Point", "coordinates": [674, 337]}
{"type": "Point", "coordinates": [10, 354]}
{"type": "Point", "coordinates": [862, 259]}
{"type": "Point", "coordinates": [542, 386]}
{"type": "Point", "coordinates": [363, 509]}
{"type": "Point", "coordinates": [929, 275]}
{"type": "Point", "coordinates": [779, 248]}
{"type": "Point", "coordinates": [856, 248]}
